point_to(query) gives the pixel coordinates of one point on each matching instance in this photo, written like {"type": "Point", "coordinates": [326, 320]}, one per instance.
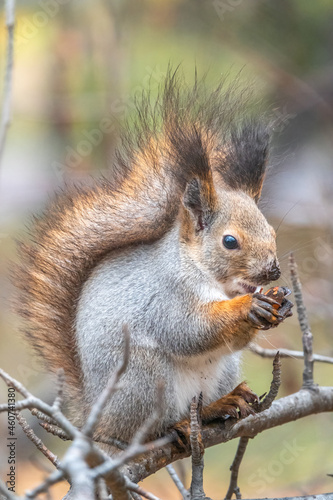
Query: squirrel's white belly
{"type": "Point", "coordinates": [214, 374]}
{"type": "Point", "coordinates": [203, 374]}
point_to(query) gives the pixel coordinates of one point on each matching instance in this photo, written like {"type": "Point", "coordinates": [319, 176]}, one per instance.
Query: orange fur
{"type": "Point", "coordinates": [229, 319]}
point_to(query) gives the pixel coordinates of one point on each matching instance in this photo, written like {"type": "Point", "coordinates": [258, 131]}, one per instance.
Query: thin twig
{"type": "Point", "coordinates": [275, 385]}
{"type": "Point", "coordinates": [111, 388]}
{"type": "Point", "coordinates": [136, 446]}
{"type": "Point", "coordinates": [76, 467]}
{"type": "Point", "coordinates": [181, 471]}
{"type": "Point", "coordinates": [243, 442]}
{"type": "Point", "coordinates": [35, 440]}
{"type": "Point", "coordinates": [307, 337]}
{"type": "Point", "coordinates": [287, 353]}
{"type": "Point", "coordinates": [233, 486]}
{"type": "Point", "coordinates": [40, 415]}
{"type": "Point", "coordinates": [75, 464]}
{"type": "Point", "coordinates": [31, 402]}
{"type": "Point", "coordinates": [55, 431]}
{"type": "Point", "coordinates": [110, 469]}
{"type": "Point", "coordinates": [7, 95]}
{"type": "Point", "coordinates": [49, 424]}
{"type": "Point", "coordinates": [175, 478]}
{"type": "Point", "coordinates": [133, 487]}
{"type": "Point", "coordinates": [197, 447]}
{"type": "Point", "coordinates": [54, 478]}
{"type": "Point", "coordinates": [11, 382]}
{"type": "Point", "coordinates": [195, 436]}
{"type": "Point", "coordinates": [19, 405]}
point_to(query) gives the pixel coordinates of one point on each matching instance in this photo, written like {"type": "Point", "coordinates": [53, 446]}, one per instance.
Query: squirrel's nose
{"type": "Point", "coordinates": [275, 272]}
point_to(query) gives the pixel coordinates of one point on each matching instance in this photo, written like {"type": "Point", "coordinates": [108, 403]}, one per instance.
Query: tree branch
{"type": "Point", "coordinates": [287, 353]}
{"type": "Point", "coordinates": [36, 441]}
{"type": "Point", "coordinates": [233, 486]}
{"type": "Point", "coordinates": [299, 405]}
{"type": "Point", "coordinates": [307, 337]}
{"type": "Point", "coordinates": [275, 385]}
{"type": "Point", "coordinates": [133, 451]}
{"type": "Point", "coordinates": [243, 442]}
{"type": "Point", "coordinates": [87, 467]}
{"type": "Point", "coordinates": [31, 402]}
{"type": "Point", "coordinates": [52, 479]}
{"type": "Point", "coordinates": [7, 96]}
{"type": "Point", "coordinates": [41, 416]}
{"type": "Point", "coordinates": [198, 450]}
{"type": "Point", "coordinates": [54, 430]}
{"type": "Point", "coordinates": [174, 476]}
{"type": "Point", "coordinates": [140, 491]}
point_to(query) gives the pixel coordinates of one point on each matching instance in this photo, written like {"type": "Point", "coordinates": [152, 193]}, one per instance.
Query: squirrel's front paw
{"type": "Point", "coordinates": [270, 309]}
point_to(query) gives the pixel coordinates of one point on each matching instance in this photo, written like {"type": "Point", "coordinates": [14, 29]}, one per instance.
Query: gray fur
{"type": "Point", "coordinates": [154, 288]}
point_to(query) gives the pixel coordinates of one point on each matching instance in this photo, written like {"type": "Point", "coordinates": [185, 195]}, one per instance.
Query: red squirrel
{"type": "Point", "coordinates": [170, 243]}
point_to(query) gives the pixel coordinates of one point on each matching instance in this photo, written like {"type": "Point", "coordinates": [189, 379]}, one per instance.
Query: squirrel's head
{"type": "Point", "coordinates": [225, 233]}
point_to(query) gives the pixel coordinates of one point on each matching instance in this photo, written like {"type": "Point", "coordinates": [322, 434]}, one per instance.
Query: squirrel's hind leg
{"type": "Point", "coordinates": [236, 404]}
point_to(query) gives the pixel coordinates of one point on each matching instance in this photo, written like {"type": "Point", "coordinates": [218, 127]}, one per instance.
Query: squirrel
{"type": "Point", "coordinates": [171, 243]}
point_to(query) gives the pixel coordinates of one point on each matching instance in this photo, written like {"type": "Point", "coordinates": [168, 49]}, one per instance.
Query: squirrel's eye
{"type": "Point", "coordinates": [230, 242]}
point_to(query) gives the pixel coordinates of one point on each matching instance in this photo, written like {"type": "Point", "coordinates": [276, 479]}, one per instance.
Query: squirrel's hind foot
{"type": "Point", "coordinates": [236, 404]}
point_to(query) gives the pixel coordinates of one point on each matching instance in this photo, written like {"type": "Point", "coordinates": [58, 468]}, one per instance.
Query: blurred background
{"type": "Point", "coordinates": [78, 66]}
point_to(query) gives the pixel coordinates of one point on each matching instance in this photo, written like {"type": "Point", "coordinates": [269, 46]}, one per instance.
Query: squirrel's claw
{"type": "Point", "coordinates": [256, 321]}
{"type": "Point", "coordinates": [285, 309]}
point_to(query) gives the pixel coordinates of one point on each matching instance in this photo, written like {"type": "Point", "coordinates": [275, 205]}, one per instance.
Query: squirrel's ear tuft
{"type": "Point", "coordinates": [242, 162]}
{"type": "Point", "coordinates": [200, 201]}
